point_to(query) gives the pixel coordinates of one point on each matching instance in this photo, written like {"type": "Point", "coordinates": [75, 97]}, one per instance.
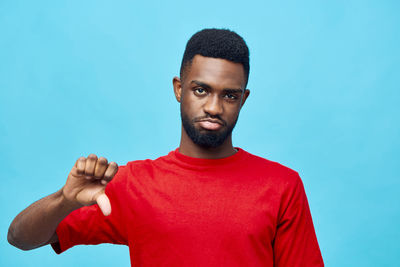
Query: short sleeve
{"type": "Point", "coordinates": [295, 243]}
{"type": "Point", "coordinates": [88, 225]}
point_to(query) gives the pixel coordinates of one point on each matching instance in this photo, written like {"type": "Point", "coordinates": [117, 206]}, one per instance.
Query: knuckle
{"type": "Point", "coordinates": [92, 156]}
{"type": "Point", "coordinates": [108, 177]}
{"type": "Point", "coordinates": [113, 164]}
{"type": "Point", "coordinates": [102, 161]}
{"type": "Point", "coordinates": [89, 172]}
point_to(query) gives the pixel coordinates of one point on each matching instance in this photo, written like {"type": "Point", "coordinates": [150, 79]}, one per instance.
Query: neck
{"type": "Point", "coordinates": [188, 148]}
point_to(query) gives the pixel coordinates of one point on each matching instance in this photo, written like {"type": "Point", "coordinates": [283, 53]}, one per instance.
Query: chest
{"type": "Point", "coordinates": [204, 207]}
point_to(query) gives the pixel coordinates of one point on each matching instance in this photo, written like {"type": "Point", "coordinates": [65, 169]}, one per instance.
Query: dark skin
{"type": "Point", "coordinates": [211, 88]}
{"type": "Point", "coordinates": [35, 226]}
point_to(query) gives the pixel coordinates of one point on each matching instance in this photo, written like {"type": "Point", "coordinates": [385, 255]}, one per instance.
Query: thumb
{"type": "Point", "coordinates": [104, 204]}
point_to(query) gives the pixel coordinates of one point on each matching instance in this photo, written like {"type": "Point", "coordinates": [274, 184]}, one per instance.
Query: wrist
{"type": "Point", "coordinates": [66, 204]}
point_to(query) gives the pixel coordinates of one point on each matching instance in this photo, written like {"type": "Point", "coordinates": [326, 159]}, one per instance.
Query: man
{"type": "Point", "coordinates": [205, 204]}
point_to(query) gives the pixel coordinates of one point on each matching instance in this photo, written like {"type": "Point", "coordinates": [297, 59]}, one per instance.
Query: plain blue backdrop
{"type": "Point", "coordinates": [80, 77]}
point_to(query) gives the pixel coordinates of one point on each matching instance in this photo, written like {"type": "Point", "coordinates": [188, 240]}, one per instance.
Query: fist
{"type": "Point", "coordinates": [87, 180]}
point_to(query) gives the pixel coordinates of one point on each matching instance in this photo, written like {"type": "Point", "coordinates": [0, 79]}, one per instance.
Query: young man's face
{"type": "Point", "coordinates": [211, 94]}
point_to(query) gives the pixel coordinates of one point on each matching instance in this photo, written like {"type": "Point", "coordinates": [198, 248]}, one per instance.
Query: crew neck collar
{"type": "Point", "coordinates": [209, 162]}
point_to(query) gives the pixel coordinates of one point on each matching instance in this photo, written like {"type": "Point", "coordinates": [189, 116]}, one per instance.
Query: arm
{"type": "Point", "coordinates": [295, 242]}
{"type": "Point", "coordinates": [36, 225]}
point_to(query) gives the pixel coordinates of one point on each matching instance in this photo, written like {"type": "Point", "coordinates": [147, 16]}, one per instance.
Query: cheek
{"type": "Point", "coordinates": [191, 104]}
{"type": "Point", "coordinates": [189, 107]}
{"type": "Point", "coordinates": [232, 112]}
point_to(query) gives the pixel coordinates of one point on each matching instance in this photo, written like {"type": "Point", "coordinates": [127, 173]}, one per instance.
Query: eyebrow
{"type": "Point", "coordinates": [227, 90]}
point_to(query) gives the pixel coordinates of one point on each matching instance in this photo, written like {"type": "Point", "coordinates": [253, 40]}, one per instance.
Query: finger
{"type": "Point", "coordinates": [75, 172]}
{"type": "Point", "coordinates": [104, 204]}
{"type": "Point", "coordinates": [90, 165]}
{"type": "Point", "coordinates": [100, 168]}
{"type": "Point", "coordinates": [80, 165]}
{"type": "Point", "coordinates": [110, 172]}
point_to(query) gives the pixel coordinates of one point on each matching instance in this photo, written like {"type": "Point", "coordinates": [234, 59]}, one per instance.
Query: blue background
{"type": "Point", "coordinates": [80, 77]}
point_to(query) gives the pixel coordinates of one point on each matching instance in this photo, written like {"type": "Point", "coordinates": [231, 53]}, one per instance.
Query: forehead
{"type": "Point", "coordinates": [216, 72]}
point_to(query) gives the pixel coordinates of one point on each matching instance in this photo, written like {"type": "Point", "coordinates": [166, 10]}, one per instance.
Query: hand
{"type": "Point", "coordinates": [87, 181]}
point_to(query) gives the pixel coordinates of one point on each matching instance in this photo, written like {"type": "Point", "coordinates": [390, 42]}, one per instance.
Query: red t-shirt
{"type": "Point", "coordinates": [242, 210]}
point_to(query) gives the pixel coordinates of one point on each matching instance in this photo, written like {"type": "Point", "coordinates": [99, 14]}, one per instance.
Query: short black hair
{"type": "Point", "coordinates": [217, 43]}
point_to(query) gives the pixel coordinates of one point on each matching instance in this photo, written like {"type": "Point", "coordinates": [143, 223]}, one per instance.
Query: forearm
{"type": "Point", "coordinates": [36, 225]}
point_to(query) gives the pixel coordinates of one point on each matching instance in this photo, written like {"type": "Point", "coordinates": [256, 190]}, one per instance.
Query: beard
{"type": "Point", "coordinates": [206, 138]}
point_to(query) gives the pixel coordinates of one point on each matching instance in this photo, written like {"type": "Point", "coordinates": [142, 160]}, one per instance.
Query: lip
{"type": "Point", "coordinates": [211, 125]}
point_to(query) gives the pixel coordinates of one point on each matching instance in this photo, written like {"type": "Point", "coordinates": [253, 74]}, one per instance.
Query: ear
{"type": "Point", "coordinates": [177, 88]}
{"type": "Point", "coordinates": [244, 97]}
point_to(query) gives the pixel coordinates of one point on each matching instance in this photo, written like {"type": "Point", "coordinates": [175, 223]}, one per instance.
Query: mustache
{"type": "Point", "coordinates": [206, 117]}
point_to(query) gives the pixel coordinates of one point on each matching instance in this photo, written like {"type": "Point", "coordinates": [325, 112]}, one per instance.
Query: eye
{"type": "Point", "coordinates": [231, 96]}
{"type": "Point", "coordinates": [200, 91]}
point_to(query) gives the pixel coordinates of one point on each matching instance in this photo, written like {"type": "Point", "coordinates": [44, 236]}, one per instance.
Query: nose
{"type": "Point", "coordinates": [213, 106]}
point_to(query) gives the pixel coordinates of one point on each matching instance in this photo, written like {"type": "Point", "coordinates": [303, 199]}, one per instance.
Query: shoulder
{"type": "Point", "coordinates": [272, 169]}
{"type": "Point", "coordinates": [271, 166]}
{"type": "Point", "coordinates": [138, 167]}
{"type": "Point", "coordinates": [126, 175]}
